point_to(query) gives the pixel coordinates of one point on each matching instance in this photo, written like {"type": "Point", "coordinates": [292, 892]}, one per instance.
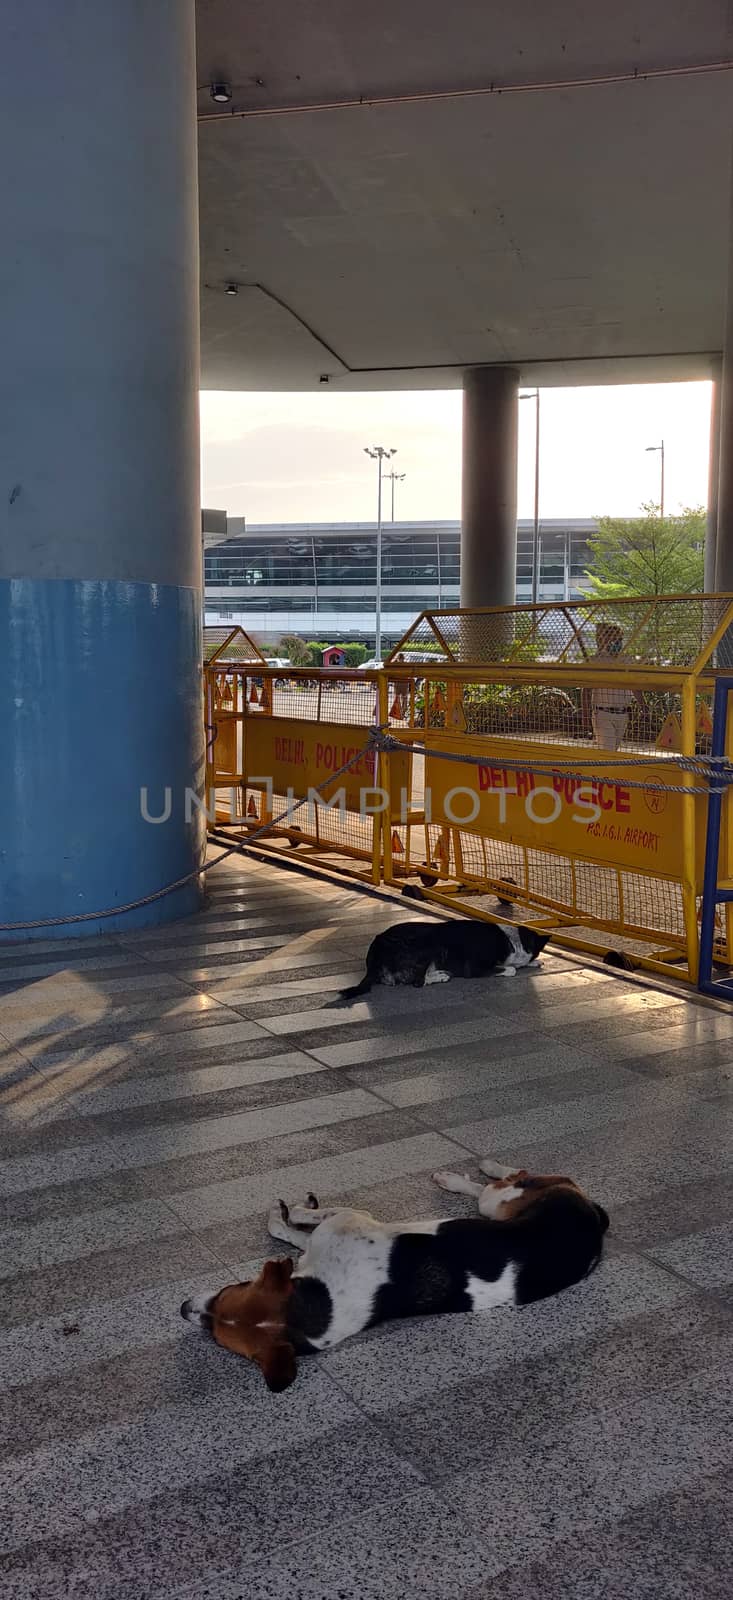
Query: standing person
{"type": "Point", "coordinates": [607, 707]}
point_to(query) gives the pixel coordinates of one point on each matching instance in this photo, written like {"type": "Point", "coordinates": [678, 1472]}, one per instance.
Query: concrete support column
{"type": "Point", "coordinates": [489, 514]}
{"type": "Point", "coordinates": [100, 523]}
{"type": "Point", "coordinates": [724, 551]}
{"type": "Point", "coordinates": [711, 528]}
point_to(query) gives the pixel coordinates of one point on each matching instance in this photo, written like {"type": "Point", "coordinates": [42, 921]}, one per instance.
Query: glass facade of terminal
{"type": "Point", "coordinates": [320, 579]}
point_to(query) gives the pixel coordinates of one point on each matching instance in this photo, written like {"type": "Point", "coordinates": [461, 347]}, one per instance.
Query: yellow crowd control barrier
{"type": "Point", "coordinates": [552, 757]}
{"type": "Point", "coordinates": [277, 736]}
{"type": "Point", "coordinates": [556, 766]}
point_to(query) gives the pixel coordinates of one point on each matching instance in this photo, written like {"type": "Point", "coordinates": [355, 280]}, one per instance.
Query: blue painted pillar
{"type": "Point", "coordinates": [100, 531]}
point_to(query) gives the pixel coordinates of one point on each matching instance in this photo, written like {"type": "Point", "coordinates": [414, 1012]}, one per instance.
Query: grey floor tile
{"type": "Point", "coordinates": [108, 1067]}
{"type": "Point", "coordinates": [170, 1142]}
{"type": "Point", "coordinates": [672, 1548]}
{"type": "Point", "coordinates": [704, 1258]}
{"type": "Point", "coordinates": [189, 1534]}
{"type": "Point", "coordinates": [65, 1199]}
{"type": "Point", "coordinates": [104, 1022]}
{"type": "Point", "coordinates": [411, 1546]}
{"type": "Point", "coordinates": [391, 1199]}
{"type": "Point", "coordinates": [393, 1044]}
{"type": "Point", "coordinates": [681, 1059]}
{"type": "Point", "coordinates": [180, 1080]}
{"type": "Point", "coordinates": [617, 1105]}
{"type": "Point", "coordinates": [148, 1045]}
{"type": "Point", "coordinates": [24, 1248]}
{"type": "Point", "coordinates": [399, 1364]}
{"type": "Point", "coordinates": [532, 1396]}
{"type": "Point", "coordinates": [509, 1057]}
{"type": "Point", "coordinates": [275, 1155]}
{"type": "Point", "coordinates": [597, 1467]}
{"type": "Point", "coordinates": [637, 1158]}
{"type": "Point", "coordinates": [116, 1270]}
{"type": "Point", "coordinates": [123, 1381]}
{"type": "Point", "coordinates": [52, 1493]}
{"type": "Point", "coordinates": [295, 991]}
{"type": "Point", "coordinates": [261, 1080]}
{"type": "Point", "coordinates": [223, 1202]}
{"type": "Point", "coordinates": [677, 1210]}
{"type": "Point", "coordinates": [491, 1099]}
{"type": "Point", "coordinates": [37, 1351]}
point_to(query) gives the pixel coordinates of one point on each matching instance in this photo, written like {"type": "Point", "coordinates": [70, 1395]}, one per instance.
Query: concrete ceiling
{"type": "Point", "coordinates": [572, 231]}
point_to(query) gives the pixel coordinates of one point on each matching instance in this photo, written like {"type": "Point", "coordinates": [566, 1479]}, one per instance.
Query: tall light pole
{"type": "Point", "coordinates": [379, 454]}
{"type": "Point", "coordinates": [395, 477]}
{"type": "Point", "coordinates": [534, 394]}
{"type": "Point", "coordinates": [651, 449]}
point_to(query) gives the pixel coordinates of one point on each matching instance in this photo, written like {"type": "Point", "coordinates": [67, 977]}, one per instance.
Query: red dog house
{"type": "Point", "coordinates": [334, 656]}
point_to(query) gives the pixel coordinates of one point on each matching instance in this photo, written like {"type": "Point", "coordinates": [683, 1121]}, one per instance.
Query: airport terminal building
{"type": "Point", "coordinates": [319, 579]}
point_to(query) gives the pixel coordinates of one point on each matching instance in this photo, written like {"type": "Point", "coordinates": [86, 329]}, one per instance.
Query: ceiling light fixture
{"type": "Point", "coordinates": [232, 288]}
{"type": "Point", "coordinates": [221, 93]}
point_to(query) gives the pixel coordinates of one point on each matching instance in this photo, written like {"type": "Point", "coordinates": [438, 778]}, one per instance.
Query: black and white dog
{"type": "Point", "coordinates": [533, 1237]}
{"type": "Point", "coordinates": [434, 952]}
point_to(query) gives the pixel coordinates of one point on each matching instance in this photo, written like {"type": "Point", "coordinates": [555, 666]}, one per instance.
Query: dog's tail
{"type": "Point", "coordinates": [366, 984]}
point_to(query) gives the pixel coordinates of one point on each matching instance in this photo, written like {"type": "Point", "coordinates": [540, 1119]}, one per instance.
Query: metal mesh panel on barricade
{"type": "Point", "coordinates": [661, 631]}
{"type": "Point", "coordinates": [278, 736]}
{"type": "Point", "coordinates": [567, 732]}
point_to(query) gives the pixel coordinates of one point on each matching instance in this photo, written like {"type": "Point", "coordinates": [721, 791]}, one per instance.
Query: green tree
{"type": "Point", "coordinates": [295, 650]}
{"type": "Point", "coordinates": [648, 555]}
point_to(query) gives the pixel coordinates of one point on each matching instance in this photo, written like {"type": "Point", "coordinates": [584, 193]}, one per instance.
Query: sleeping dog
{"type": "Point", "coordinates": [533, 1237]}
{"type": "Point", "coordinates": [434, 952]}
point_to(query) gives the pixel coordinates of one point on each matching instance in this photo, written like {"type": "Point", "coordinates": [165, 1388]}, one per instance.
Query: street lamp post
{"type": "Point", "coordinates": [651, 449]}
{"type": "Point", "coordinates": [379, 454]}
{"type": "Point", "coordinates": [395, 477]}
{"type": "Point", "coordinates": [534, 394]}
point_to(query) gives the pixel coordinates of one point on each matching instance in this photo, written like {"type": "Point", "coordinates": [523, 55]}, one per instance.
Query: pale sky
{"type": "Point", "coordinates": [300, 457]}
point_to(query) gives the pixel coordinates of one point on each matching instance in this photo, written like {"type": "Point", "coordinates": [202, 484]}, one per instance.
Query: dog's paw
{"type": "Point", "coordinates": [507, 972]}
{"type": "Point", "coordinates": [452, 1181]}
{"type": "Point", "coordinates": [278, 1215]}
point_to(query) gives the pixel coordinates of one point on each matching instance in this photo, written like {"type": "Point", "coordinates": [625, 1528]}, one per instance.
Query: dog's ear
{"type": "Point", "coordinates": [278, 1365]}
{"type": "Point", "coordinates": [276, 1275]}
{"type": "Point", "coordinates": [602, 1216]}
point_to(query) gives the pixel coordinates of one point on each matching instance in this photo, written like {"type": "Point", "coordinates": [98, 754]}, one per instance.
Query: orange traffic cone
{"type": "Point", "coordinates": [398, 848]}
{"type": "Point", "coordinates": [670, 737]}
{"type": "Point", "coordinates": [396, 708]}
{"type": "Point", "coordinates": [439, 700]}
{"type": "Point", "coordinates": [252, 807]}
{"type": "Point", "coordinates": [253, 696]}
{"type": "Point", "coordinates": [704, 723]}
{"type": "Point", "coordinates": [266, 696]}
{"type": "Point", "coordinates": [458, 717]}
{"type": "Point", "coordinates": [442, 854]}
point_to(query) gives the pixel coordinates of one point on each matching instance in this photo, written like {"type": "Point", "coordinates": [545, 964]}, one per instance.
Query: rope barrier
{"type": "Point", "coordinates": [698, 766]}
{"type": "Point", "coordinates": [718, 769]}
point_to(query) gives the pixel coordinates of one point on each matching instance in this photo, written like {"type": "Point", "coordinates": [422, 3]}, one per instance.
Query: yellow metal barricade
{"type": "Point", "coordinates": [278, 736]}
{"type": "Point", "coordinates": [513, 799]}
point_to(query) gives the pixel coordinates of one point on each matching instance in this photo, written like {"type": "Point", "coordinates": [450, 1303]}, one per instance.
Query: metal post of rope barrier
{"type": "Point", "coordinates": [712, 895]}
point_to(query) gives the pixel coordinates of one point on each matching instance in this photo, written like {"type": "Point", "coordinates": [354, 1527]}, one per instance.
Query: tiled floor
{"type": "Point", "coordinates": [159, 1091]}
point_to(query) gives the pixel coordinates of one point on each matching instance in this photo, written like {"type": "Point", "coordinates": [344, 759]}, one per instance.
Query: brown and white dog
{"type": "Point", "coordinates": [533, 1237]}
